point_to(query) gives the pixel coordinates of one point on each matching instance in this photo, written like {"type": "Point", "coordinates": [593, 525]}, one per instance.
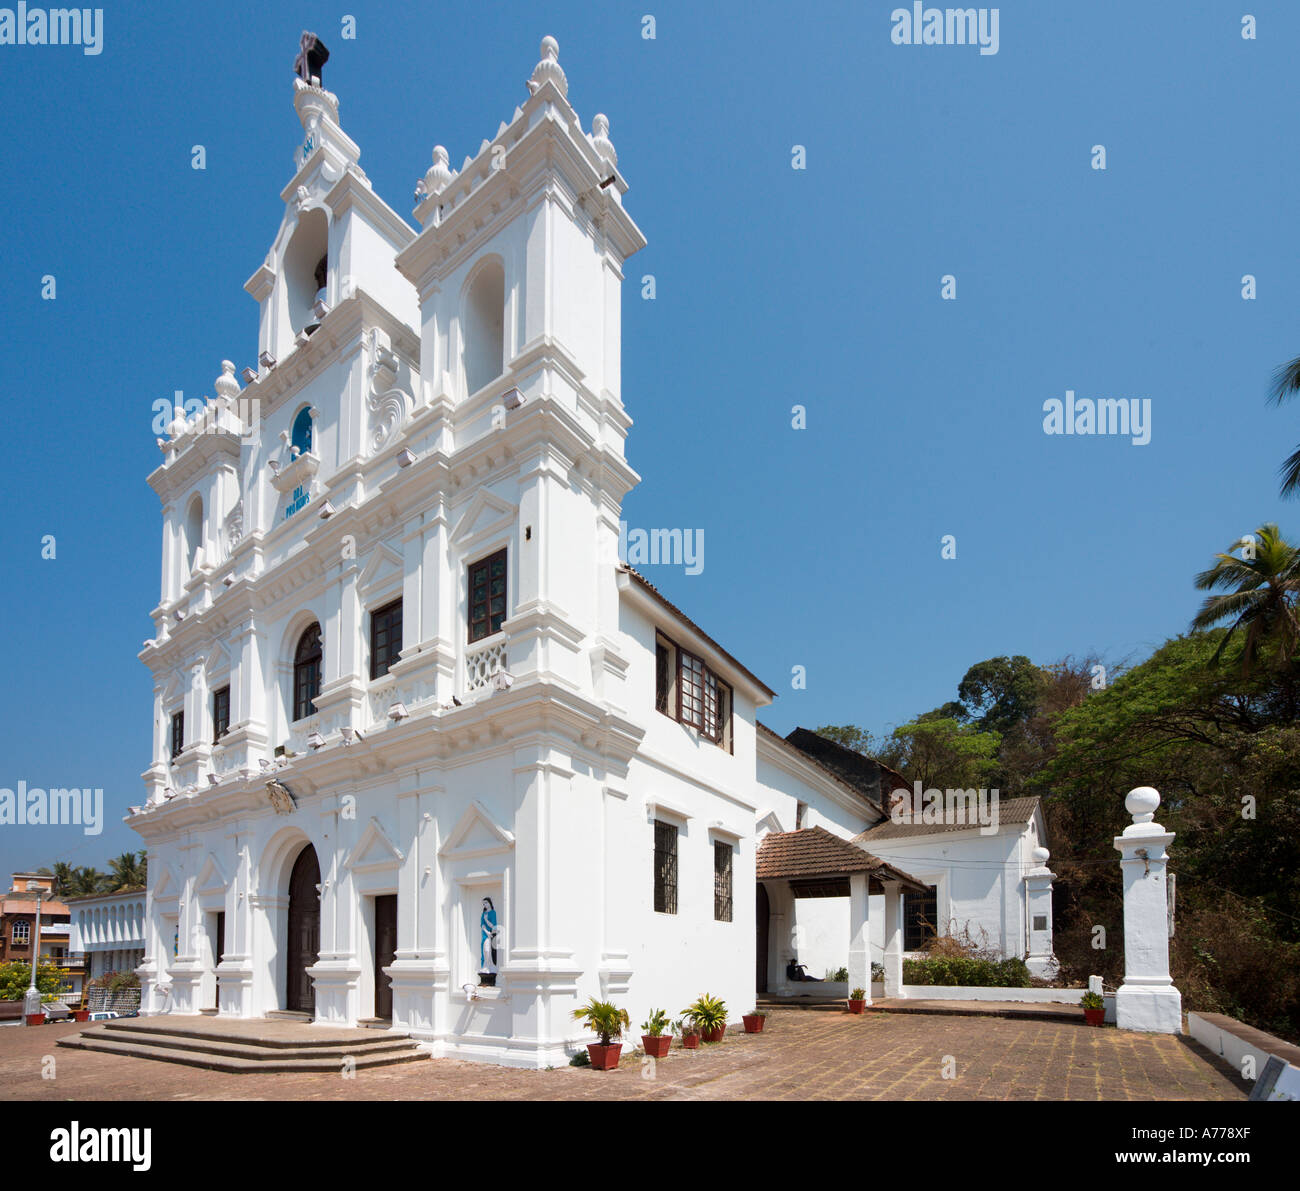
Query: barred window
{"type": "Point", "coordinates": [220, 712]}
{"type": "Point", "coordinates": [721, 882]}
{"type": "Point", "coordinates": [665, 868]}
{"type": "Point", "coordinates": [920, 910]}
{"type": "Point", "coordinates": [178, 733]}
{"type": "Point", "coordinates": [487, 596]}
{"type": "Point", "coordinates": [385, 637]}
{"type": "Point", "coordinates": [22, 933]}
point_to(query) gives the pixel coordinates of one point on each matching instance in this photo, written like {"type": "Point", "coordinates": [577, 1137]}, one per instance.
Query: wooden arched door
{"type": "Point", "coordinates": [304, 931]}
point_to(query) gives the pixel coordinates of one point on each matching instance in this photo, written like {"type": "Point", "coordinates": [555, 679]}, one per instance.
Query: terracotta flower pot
{"type": "Point", "coordinates": [753, 1023]}
{"type": "Point", "coordinates": [691, 1041]}
{"type": "Point", "coordinates": [713, 1035]}
{"type": "Point", "coordinates": [656, 1045]}
{"type": "Point", "coordinates": [36, 1019]}
{"type": "Point", "coordinates": [1095, 1017]}
{"type": "Point", "coordinates": [857, 1006]}
{"type": "Point", "coordinates": [81, 1014]}
{"type": "Point", "coordinates": [604, 1058]}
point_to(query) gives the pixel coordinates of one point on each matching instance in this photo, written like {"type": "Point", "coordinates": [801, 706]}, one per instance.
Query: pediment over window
{"type": "Point", "coordinates": [212, 878]}
{"type": "Point", "coordinates": [374, 851]}
{"type": "Point", "coordinates": [383, 569]}
{"type": "Point", "coordinates": [477, 834]}
{"type": "Point", "coordinates": [769, 824]}
{"type": "Point", "coordinates": [486, 516]}
{"type": "Point", "coordinates": [166, 888]}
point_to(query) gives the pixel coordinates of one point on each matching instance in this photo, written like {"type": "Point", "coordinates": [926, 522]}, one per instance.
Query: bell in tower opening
{"type": "Point", "coordinates": [311, 59]}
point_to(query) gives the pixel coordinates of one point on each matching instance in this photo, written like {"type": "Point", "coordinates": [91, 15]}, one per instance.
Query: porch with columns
{"type": "Point", "coordinates": [813, 863]}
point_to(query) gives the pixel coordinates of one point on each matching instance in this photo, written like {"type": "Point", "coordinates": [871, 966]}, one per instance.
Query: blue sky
{"type": "Point", "coordinates": [775, 287]}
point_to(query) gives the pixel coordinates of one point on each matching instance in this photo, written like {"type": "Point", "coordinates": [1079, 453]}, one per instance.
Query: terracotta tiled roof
{"type": "Point", "coordinates": [49, 909]}
{"type": "Point", "coordinates": [690, 624]}
{"type": "Point", "coordinates": [1010, 810]}
{"type": "Point", "coordinates": [815, 852]}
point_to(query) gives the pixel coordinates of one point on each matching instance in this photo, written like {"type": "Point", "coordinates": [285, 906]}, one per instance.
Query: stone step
{"type": "Point", "coordinates": [141, 1026]}
{"type": "Point", "coordinates": [835, 1006]}
{"type": "Point", "coordinates": [235, 1064]}
{"type": "Point", "coordinates": [289, 1015]}
{"type": "Point", "coordinates": [1021, 1010]}
{"type": "Point", "coordinates": [360, 1048]}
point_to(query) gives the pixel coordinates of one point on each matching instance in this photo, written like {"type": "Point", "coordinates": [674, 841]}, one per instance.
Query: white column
{"type": "Point", "coordinates": [1147, 1000]}
{"type": "Point", "coordinates": [893, 939]}
{"type": "Point", "coordinates": [1040, 959]}
{"type": "Point", "coordinates": [860, 934]}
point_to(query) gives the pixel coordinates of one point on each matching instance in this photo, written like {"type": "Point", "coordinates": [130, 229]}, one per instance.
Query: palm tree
{"type": "Point", "coordinates": [128, 872]}
{"type": "Point", "coordinates": [86, 881]}
{"type": "Point", "coordinates": [1286, 384]}
{"type": "Point", "coordinates": [65, 877]}
{"type": "Point", "coordinates": [1261, 589]}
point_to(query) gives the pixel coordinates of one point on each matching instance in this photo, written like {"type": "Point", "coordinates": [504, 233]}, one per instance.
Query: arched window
{"type": "Point", "coordinates": [306, 673]}
{"type": "Point", "coordinates": [193, 531]}
{"type": "Point", "coordinates": [484, 329]}
{"type": "Point", "coordinates": [301, 434]}
{"type": "Point", "coordinates": [306, 268]}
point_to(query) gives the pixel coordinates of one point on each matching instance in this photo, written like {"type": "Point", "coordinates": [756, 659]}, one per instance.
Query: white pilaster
{"type": "Point", "coordinates": [893, 940]}
{"type": "Point", "coordinates": [860, 934]}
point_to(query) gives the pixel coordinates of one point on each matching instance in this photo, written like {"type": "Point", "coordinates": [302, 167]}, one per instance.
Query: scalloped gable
{"type": "Point", "coordinates": [477, 834]}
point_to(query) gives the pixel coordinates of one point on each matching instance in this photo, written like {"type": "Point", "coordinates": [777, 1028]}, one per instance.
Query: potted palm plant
{"type": "Point", "coordinates": [857, 1000]}
{"type": "Point", "coordinates": [658, 1034]}
{"type": "Point", "coordinates": [689, 1033]}
{"type": "Point", "coordinates": [1094, 1009]}
{"type": "Point", "coordinates": [709, 1015]}
{"type": "Point", "coordinates": [607, 1020]}
{"type": "Point", "coordinates": [754, 1021]}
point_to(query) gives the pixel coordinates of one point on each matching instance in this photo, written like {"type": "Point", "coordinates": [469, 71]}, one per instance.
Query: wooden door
{"type": "Point", "coordinates": [762, 915]}
{"type": "Point", "coordinates": [304, 931]}
{"type": "Point", "coordinates": [385, 952]}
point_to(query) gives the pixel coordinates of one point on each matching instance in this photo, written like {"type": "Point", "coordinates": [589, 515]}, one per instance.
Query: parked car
{"type": "Point", "coordinates": [103, 1015]}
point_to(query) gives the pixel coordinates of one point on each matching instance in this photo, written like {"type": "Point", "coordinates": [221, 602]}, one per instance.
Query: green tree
{"type": "Point", "coordinates": [946, 754]}
{"type": "Point", "coordinates": [127, 872]}
{"type": "Point", "coordinates": [1001, 693]}
{"type": "Point", "coordinates": [16, 977]}
{"type": "Point", "coordinates": [1286, 384]}
{"type": "Point", "coordinates": [1260, 593]}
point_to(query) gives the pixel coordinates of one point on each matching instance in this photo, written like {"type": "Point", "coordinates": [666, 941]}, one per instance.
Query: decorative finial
{"type": "Point", "coordinates": [600, 140]}
{"type": "Point", "coordinates": [226, 385]}
{"type": "Point", "coordinates": [438, 177]}
{"type": "Point", "coordinates": [1041, 854]}
{"type": "Point", "coordinates": [311, 59]}
{"type": "Point", "coordinates": [549, 69]}
{"type": "Point", "coordinates": [1141, 804]}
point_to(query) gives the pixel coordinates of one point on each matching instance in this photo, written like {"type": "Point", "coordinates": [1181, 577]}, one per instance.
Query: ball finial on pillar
{"type": "Point", "coordinates": [1141, 803]}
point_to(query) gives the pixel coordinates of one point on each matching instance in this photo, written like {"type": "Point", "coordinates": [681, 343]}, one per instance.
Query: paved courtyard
{"type": "Point", "coordinates": [801, 1055]}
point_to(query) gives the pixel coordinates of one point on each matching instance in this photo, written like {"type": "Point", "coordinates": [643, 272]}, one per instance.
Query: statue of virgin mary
{"type": "Point", "coordinates": [488, 945]}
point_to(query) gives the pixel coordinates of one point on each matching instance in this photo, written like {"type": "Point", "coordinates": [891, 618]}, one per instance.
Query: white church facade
{"type": "Point", "coordinates": [425, 753]}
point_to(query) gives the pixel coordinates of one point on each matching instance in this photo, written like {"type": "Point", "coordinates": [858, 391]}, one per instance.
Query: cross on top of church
{"type": "Point", "coordinates": [311, 59]}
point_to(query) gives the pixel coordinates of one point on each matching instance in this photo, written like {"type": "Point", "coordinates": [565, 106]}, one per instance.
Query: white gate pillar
{"type": "Point", "coordinates": [1147, 1000]}
{"type": "Point", "coordinates": [1040, 960]}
